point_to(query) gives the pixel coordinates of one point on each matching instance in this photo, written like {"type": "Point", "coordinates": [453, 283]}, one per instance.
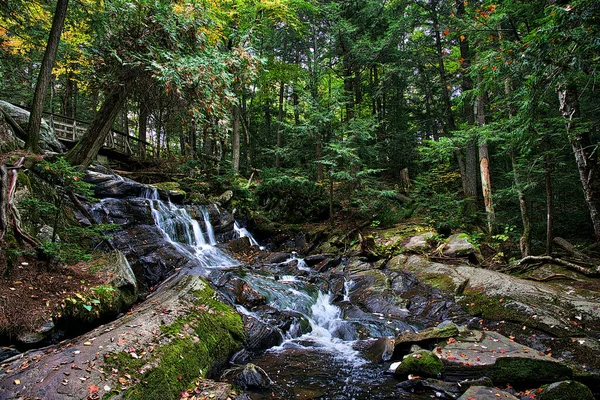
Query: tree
{"type": "Point", "coordinates": [45, 76]}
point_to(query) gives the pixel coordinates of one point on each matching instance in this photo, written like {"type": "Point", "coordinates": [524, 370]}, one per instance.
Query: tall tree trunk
{"type": "Point", "coordinates": [235, 139]}
{"type": "Point", "coordinates": [143, 128]}
{"type": "Point", "coordinates": [449, 124]}
{"type": "Point", "coordinates": [41, 86]}
{"type": "Point", "coordinates": [86, 150]}
{"type": "Point", "coordinates": [349, 89]}
{"type": "Point", "coordinates": [525, 241]}
{"type": "Point", "coordinates": [484, 166]}
{"type": "Point", "coordinates": [549, 206]}
{"type": "Point", "coordinates": [3, 201]}
{"type": "Point", "coordinates": [279, 125]}
{"type": "Point", "coordinates": [585, 153]}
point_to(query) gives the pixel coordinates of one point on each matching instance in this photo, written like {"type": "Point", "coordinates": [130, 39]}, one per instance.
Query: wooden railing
{"type": "Point", "coordinates": [72, 129]}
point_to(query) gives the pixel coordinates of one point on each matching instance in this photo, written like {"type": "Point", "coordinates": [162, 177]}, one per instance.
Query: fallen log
{"type": "Point", "coordinates": [568, 247]}
{"type": "Point", "coordinates": [591, 272]}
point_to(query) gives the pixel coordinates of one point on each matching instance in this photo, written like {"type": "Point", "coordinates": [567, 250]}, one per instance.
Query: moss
{"type": "Point", "coordinates": [423, 363]}
{"type": "Point", "coordinates": [24, 180]}
{"type": "Point", "coordinates": [566, 390]}
{"type": "Point", "coordinates": [101, 302]}
{"type": "Point", "coordinates": [206, 337]}
{"type": "Point", "coordinates": [442, 282]}
{"type": "Point", "coordinates": [527, 370]}
{"type": "Point", "coordinates": [170, 187]}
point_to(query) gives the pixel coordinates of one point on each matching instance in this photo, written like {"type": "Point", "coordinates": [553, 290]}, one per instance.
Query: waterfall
{"type": "Point", "coordinates": [185, 233]}
{"type": "Point", "coordinates": [243, 232]}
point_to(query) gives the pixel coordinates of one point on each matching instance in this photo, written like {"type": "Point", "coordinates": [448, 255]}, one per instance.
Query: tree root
{"type": "Point", "coordinates": [532, 262]}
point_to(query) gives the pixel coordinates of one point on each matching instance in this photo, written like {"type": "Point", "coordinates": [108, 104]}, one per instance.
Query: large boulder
{"type": "Point", "coordinates": [458, 245]}
{"type": "Point", "coordinates": [8, 140]}
{"type": "Point", "coordinates": [566, 390]}
{"type": "Point", "coordinates": [48, 140]}
{"type": "Point", "coordinates": [475, 354]}
{"type": "Point", "coordinates": [421, 363]}
{"type": "Point", "coordinates": [486, 393]}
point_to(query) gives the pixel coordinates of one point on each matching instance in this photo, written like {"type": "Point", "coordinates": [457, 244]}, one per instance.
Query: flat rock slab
{"type": "Point", "coordinates": [486, 393]}
{"type": "Point", "coordinates": [419, 244]}
{"type": "Point", "coordinates": [458, 246]}
{"type": "Point", "coordinates": [500, 358]}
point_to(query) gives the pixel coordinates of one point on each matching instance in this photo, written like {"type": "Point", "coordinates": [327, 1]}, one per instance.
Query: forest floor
{"type": "Point", "coordinates": [31, 293]}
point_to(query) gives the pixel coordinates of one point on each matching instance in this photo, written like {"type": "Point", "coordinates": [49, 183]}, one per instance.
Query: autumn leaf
{"type": "Point", "coordinates": [446, 32]}
{"type": "Point", "coordinates": [93, 389]}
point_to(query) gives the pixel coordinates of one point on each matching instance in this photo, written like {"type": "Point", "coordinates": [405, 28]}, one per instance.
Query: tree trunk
{"type": "Point", "coordinates": [449, 125]}
{"type": "Point", "coordinates": [279, 126]}
{"type": "Point", "coordinates": [525, 241]}
{"type": "Point", "coordinates": [484, 166]}
{"type": "Point", "coordinates": [86, 150]}
{"type": "Point", "coordinates": [41, 86]}
{"type": "Point", "coordinates": [235, 139]}
{"type": "Point", "coordinates": [585, 154]}
{"type": "Point", "coordinates": [3, 200]}
{"type": "Point", "coordinates": [549, 207]}
{"type": "Point", "coordinates": [143, 128]}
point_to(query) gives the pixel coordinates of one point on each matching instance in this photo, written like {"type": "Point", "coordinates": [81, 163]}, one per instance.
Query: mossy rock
{"type": "Point", "coordinates": [194, 346]}
{"type": "Point", "coordinates": [173, 187]}
{"type": "Point", "coordinates": [526, 370]}
{"type": "Point", "coordinates": [566, 390]}
{"type": "Point", "coordinates": [422, 363]}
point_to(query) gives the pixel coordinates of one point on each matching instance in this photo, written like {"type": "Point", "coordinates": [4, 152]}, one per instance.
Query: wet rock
{"type": "Point", "coordinates": [38, 335]}
{"type": "Point", "coordinates": [275, 258]}
{"type": "Point", "coordinates": [8, 352]}
{"type": "Point", "coordinates": [458, 245]}
{"type": "Point", "coordinates": [419, 244]}
{"type": "Point", "coordinates": [475, 354]}
{"type": "Point", "coordinates": [327, 264]}
{"type": "Point", "coordinates": [566, 390]}
{"type": "Point", "coordinates": [421, 363]}
{"type": "Point", "coordinates": [112, 186]}
{"type": "Point", "coordinates": [239, 245]}
{"type": "Point", "coordinates": [486, 393]}
{"type": "Point", "coordinates": [423, 338]}
{"type": "Point", "coordinates": [376, 350]}
{"type": "Point", "coordinates": [248, 296]}
{"type": "Point", "coordinates": [440, 389]}
{"type": "Point", "coordinates": [48, 140]}
{"type": "Point", "coordinates": [260, 336]}
{"type": "Point", "coordinates": [396, 263]}
{"type": "Point", "coordinates": [372, 291]}
{"type": "Point", "coordinates": [249, 377]}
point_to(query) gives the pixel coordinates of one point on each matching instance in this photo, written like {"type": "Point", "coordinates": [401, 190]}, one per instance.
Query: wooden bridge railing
{"type": "Point", "coordinates": [72, 129]}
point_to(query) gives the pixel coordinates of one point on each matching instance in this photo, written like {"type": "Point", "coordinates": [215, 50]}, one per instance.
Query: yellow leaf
{"type": "Point", "coordinates": [17, 381]}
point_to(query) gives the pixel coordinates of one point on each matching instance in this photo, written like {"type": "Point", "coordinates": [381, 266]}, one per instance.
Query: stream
{"type": "Point", "coordinates": [317, 356]}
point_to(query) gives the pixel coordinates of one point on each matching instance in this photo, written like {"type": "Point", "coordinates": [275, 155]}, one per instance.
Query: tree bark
{"type": "Point", "coordinates": [3, 200]}
{"type": "Point", "coordinates": [585, 153]}
{"type": "Point", "coordinates": [86, 150]}
{"type": "Point", "coordinates": [279, 125]}
{"type": "Point", "coordinates": [41, 86]}
{"type": "Point", "coordinates": [525, 240]}
{"type": "Point", "coordinates": [484, 166]}
{"type": "Point", "coordinates": [450, 124]}
{"type": "Point", "coordinates": [549, 206]}
{"type": "Point", "coordinates": [143, 128]}
{"type": "Point", "coordinates": [235, 139]}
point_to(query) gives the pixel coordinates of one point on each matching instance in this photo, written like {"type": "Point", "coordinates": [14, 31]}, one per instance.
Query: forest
{"type": "Point", "coordinates": [327, 128]}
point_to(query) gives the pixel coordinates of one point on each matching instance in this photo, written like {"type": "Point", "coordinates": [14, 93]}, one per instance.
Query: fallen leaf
{"type": "Point", "coordinates": [87, 343]}
{"type": "Point", "coordinates": [17, 382]}
{"type": "Point", "coordinates": [93, 389]}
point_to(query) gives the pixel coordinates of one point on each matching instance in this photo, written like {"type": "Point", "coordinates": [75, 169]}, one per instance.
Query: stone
{"type": "Point", "coordinates": [427, 336]}
{"type": "Point", "coordinates": [486, 393]}
{"type": "Point", "coordinates": [8, 140]}
{"type": "Point", "coordinates": [250, 377]}
{"type": "Point", "coordinates": [239, 245]}
{"type": "Point", "coordinates": [222, 199]}
{"type": "Point", "coordinates": [421, 363]}
{"type": "Point", "coordinates": [376, 350]}
{"type": "Point", "coordinates": [458, 245]}
{"type": "Point", "coordinates": [44, 234]}
{"type": "Point", "coordinates": [475, 354]}
{"type": "Point", "coordinates": [48, 140]}
{"type": "Point", "coordinates": [259, 335]}
{"type": "Point", "coordinates": [396, 263]}
{"type": "Point", "coordinates": [38, 335]}
{"type": "Point", "coordinates": [566, 390]}
{"type": "Point", "coordinates": [123, 278]}
{"type": "Point", "coordinates": [419, 244]}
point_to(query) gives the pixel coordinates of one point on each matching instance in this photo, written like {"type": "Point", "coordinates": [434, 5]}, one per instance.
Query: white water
{"type": "Point", "coordinates": [185, 233]}
{"type": "Point", "coordinates": [302, 266]}
{"type": "Point", "coordinates": [243, 232]}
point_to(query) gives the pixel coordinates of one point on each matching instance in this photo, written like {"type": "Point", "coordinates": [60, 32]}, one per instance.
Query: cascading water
{"type": "Point", "coordinates": [185, 233]}
{"type": "Point", "coordinates": [243, 232]}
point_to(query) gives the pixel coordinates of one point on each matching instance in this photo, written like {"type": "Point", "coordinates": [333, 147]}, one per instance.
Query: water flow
{"type": "Point", "coordinates": [185, 233]}
{"type": "Point", "coordinates": [243, 232]}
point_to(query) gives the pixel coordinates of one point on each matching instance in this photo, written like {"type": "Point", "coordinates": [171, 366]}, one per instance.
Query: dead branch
{"type": "Point", "coordinates": [563, 244]}
{"type": "Point", "coordinates": [594, 272]}
{"type": "Point", "coordinates": [19, 131]}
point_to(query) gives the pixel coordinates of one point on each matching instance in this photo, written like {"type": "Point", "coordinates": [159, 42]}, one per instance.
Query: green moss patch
{"type": "Point", "coordinates": [527, 370]}
{"type": "Point", "coordinates": [423, 363]}
{"type": "Point", "coordinates": [196, 343]}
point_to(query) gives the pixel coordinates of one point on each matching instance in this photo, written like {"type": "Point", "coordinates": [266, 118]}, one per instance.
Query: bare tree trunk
{"type": "Point", "coordinates": [449, 125]}
{"type": "Point", "coordinates": [585, 154]}
{"type": "Point", "coordinates": [484, 165]}
{"type": "Point", "coordinates": [41, 86]}
{"type": "Point", "coordinates": [143, 128]}
{"type": "Point", "coordinates": [3, 200]}
{"type": "Point", "coordinates": [549, 206]}
{"type": "Point", "coordinates": [235, 139]}
{"type": "Point", "coordinates": [86, 150]}
{"type": "Point", "coordinates": [525, 241]}
{"type": "Point", "coordinates": [279, 125]}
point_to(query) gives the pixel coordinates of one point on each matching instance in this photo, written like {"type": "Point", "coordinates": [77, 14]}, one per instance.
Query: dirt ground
{"type": "Point", "coordinates": [31, 294]}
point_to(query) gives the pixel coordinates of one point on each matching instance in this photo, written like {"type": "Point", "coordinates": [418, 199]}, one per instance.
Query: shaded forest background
{"type": "Point", "coordinates": [477, 115]}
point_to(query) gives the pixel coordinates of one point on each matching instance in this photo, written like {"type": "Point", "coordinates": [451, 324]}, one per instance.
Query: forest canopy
{"type": "Point", "coordinates": [482, 115]}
